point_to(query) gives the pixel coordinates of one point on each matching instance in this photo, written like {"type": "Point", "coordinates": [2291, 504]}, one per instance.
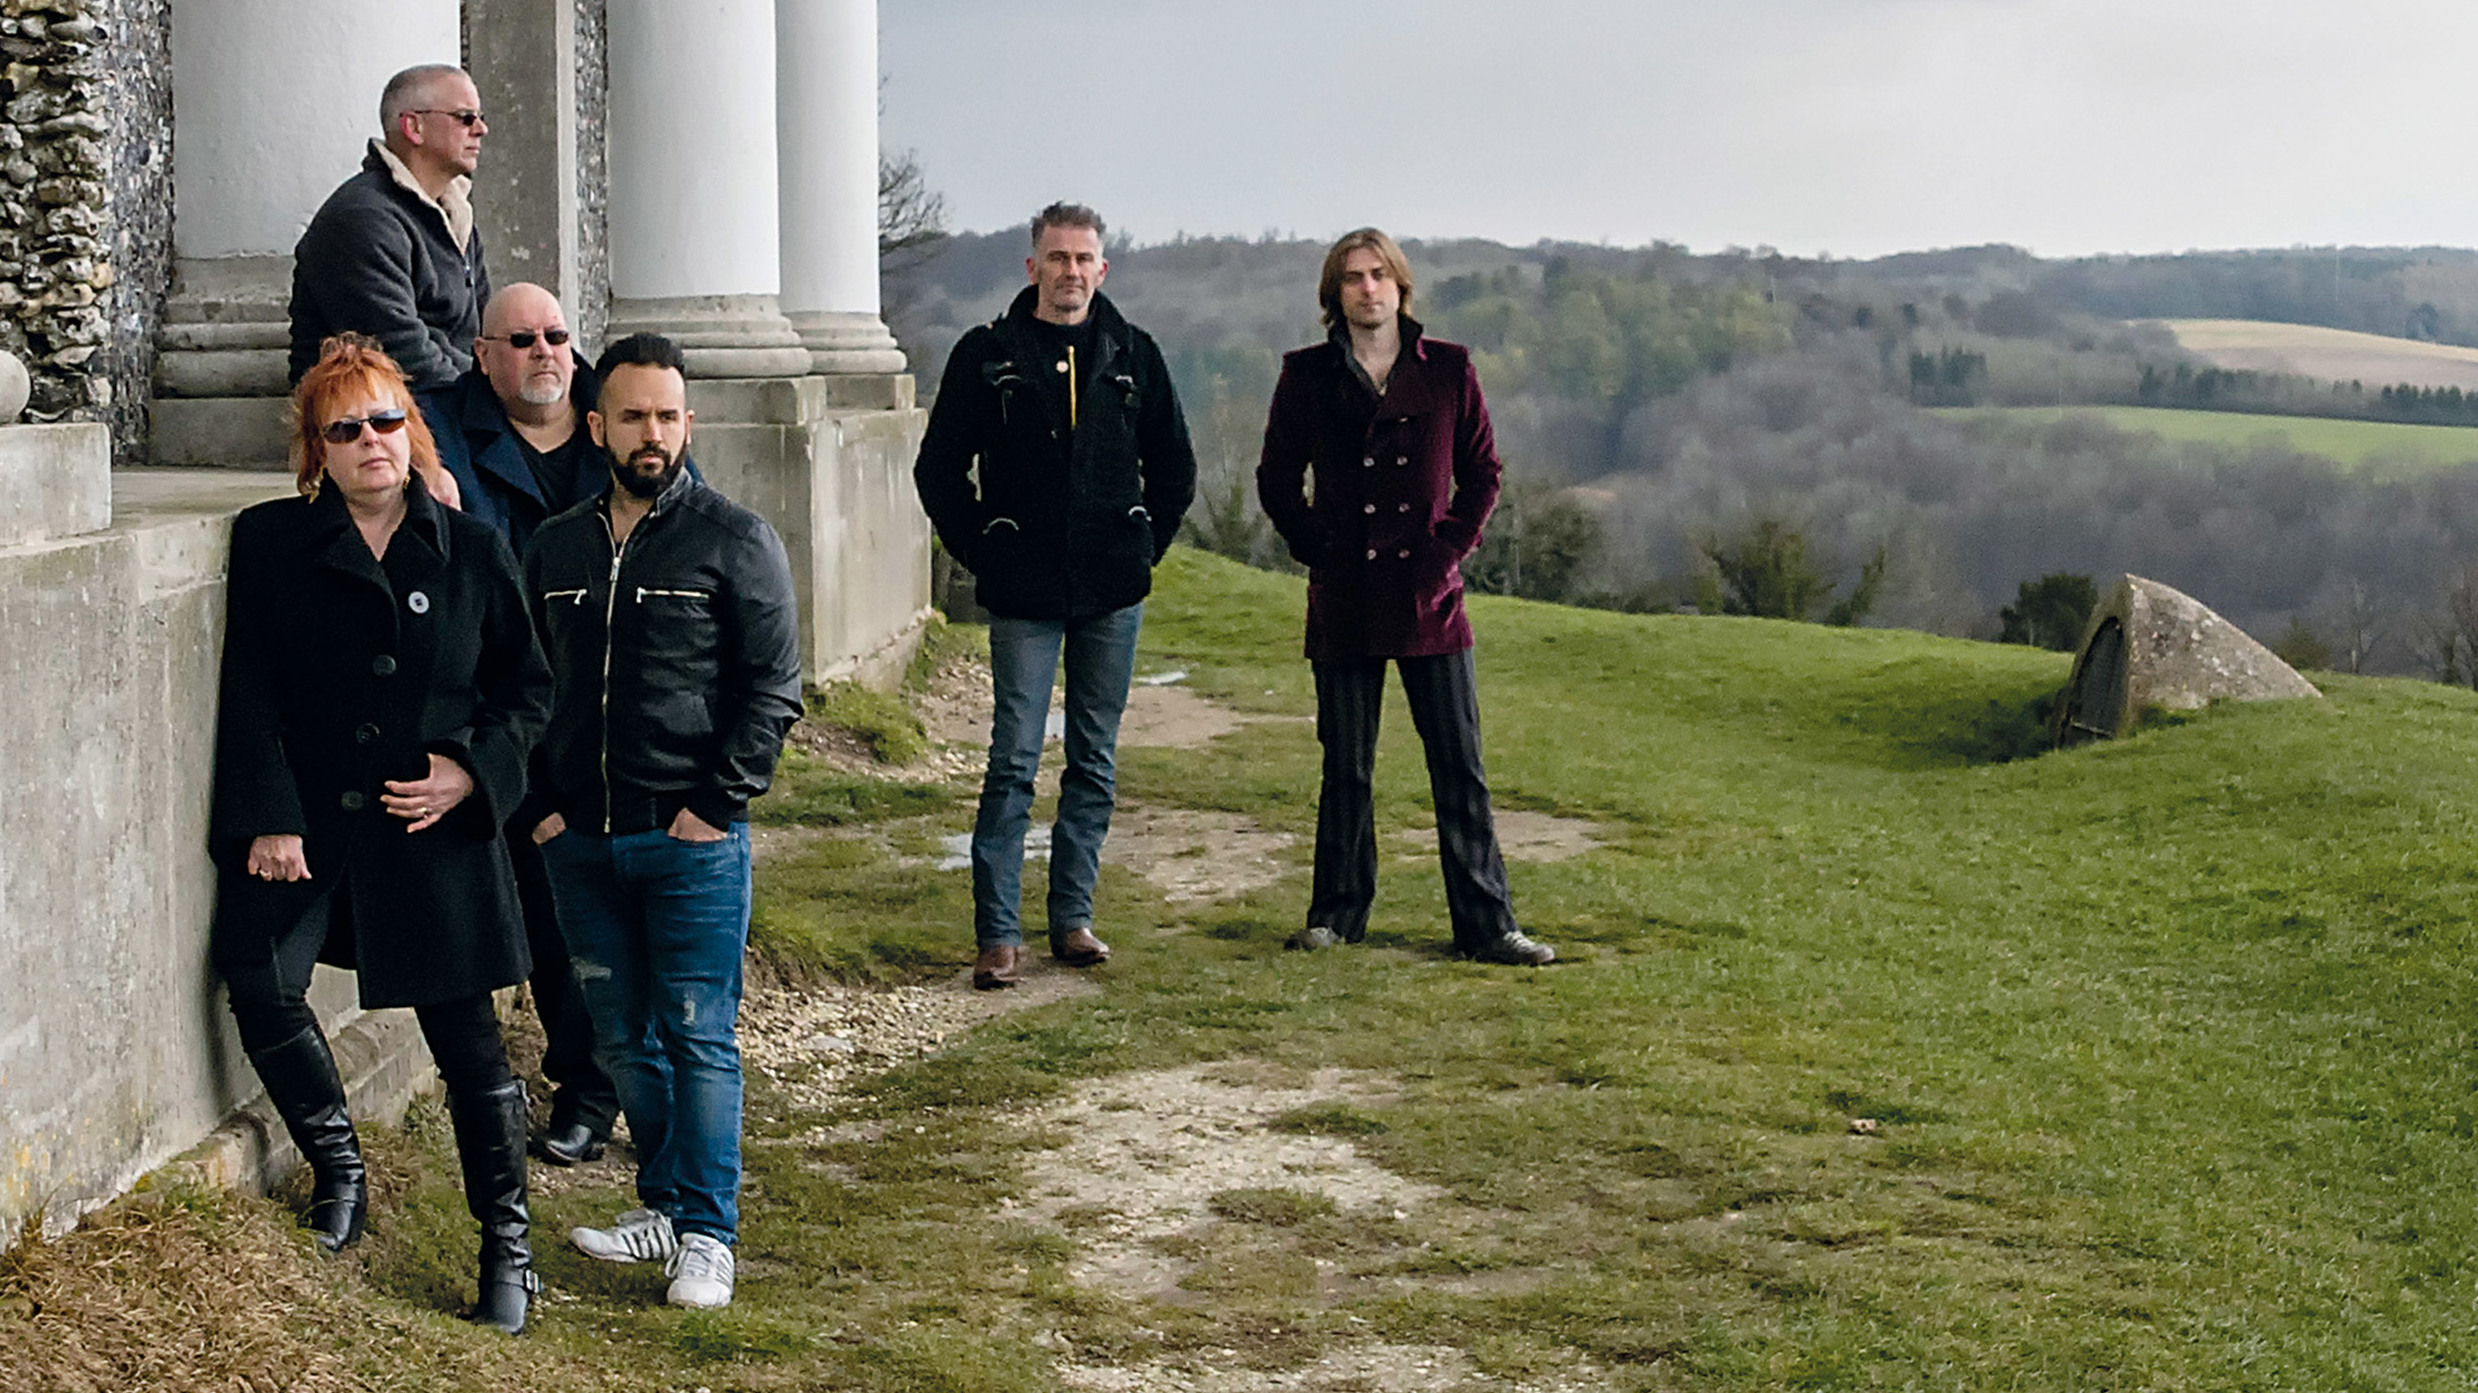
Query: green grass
{"type": "Point", "coordinates": [2357, 444]}
{"type": "Point", "coordinates": [2166, 1042]}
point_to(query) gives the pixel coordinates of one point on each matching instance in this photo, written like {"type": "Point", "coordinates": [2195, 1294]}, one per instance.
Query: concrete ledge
{"type": "Point", "coordinates": [385, 1066]}
{"type": "Point", "coordinates": [882, 667]}
{"type": "Point", "coordinates": [55, 481]}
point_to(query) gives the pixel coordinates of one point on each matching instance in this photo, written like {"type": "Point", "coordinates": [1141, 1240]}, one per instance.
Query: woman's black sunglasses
{"type": "Point", "coordinates": [523, 338]}
{"type": "Point", "coordinates": [348, 430]}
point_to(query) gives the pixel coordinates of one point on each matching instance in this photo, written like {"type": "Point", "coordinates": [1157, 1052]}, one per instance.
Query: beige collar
{"type": "Point", "coordinates": [456, 208]}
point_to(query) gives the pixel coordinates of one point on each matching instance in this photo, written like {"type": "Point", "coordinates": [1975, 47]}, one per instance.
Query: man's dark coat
{"type": "Point", "coordinates": [1404, 484]}
{"type": "Point", "coordinates": [342, 672]}
{"type": "Point", "coordinates": [480, 446]}
{"type": "Point", "coordinates": [1065, 524]}
{"type": "Point", "coordinates": [378, 259]}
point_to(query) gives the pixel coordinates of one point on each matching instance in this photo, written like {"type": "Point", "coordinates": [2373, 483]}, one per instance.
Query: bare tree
{"type": "Point", "coordinates": [911, 215]}
{"type": "Point", "coordinates": [2359, 627]}
{"type": "Point", "coordinates": [2445, 641]}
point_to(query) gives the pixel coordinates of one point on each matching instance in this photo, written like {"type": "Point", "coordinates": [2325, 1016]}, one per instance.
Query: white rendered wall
{"type": "Point", "coordinates": [692, 149]}
{"type": "Point", "coordinates": [273, 101]}
{"type": "Point", "coordinates": [827, 79]}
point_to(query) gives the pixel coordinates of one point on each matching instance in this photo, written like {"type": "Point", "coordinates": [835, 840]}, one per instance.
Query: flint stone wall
{"type": "Point", "coordinates": [85, 203]}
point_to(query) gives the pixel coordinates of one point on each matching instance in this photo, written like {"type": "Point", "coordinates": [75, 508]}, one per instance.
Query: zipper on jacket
{"type": "Point", "coordinates": [576, 596]}
{"type": "Point", "coordinates": [610, 608]}
{"type": "Point", "coordinates": [643, 592]}
{"type": "Point", "coordinates": [1071, 386]}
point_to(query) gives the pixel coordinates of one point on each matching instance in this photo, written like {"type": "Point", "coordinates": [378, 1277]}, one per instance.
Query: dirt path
{"type": "Point", "coordinates": [1148, 1152]}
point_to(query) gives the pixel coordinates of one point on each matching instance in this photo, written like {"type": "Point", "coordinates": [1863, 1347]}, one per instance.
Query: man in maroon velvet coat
{"type": "Point", "coordinates": [1390, 427]}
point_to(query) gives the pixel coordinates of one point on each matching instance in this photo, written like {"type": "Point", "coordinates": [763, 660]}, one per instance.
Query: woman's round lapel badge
{"type": "Point", "coordinates": [417, 602]}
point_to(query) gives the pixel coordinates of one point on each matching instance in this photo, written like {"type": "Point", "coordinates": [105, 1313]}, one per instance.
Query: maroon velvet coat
{"type": "Point", "coordinates": [1402, 485]}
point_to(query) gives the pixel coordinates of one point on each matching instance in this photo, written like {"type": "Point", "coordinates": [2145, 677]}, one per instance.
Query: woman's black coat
{"type": "Point", "coordinates": [341, 673]}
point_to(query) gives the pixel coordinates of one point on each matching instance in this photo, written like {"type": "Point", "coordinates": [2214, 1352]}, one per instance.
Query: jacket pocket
{"type": "Point", "coordinates": [997, 541]}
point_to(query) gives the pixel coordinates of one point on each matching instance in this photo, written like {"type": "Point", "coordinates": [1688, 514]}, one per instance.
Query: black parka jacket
{"type": "Point", "coordinates": [1065, 522]}
{"type": "Point", "coordinates": [342, 672]}
{"type": "Point", "coordinates": [379, 259]}
{"type": "Point", "coordinates": [677, 661]}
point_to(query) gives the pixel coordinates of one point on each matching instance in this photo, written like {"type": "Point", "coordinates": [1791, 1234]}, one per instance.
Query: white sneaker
{"type": "Point", "coordinates": [700, 1273]}
{"type": "Point", "coordinates": [640, 1235]}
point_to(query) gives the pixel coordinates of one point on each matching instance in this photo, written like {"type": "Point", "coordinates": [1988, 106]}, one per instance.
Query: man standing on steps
{"type": "Point", "coordinates": [393, 252]}
{"type": "Point", "coordinates": [1392, 428]}
{"type": "Point", "coordinates": [512, 432]}
{"type": "Point", "coordinates": [1083, 473]}
{"type": "Point", "coordinates": [667, 614]}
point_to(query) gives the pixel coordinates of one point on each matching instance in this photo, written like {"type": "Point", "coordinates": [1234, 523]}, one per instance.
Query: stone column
{"type": "Point", "coordinates": [525, 192]}
{"type": "Point", "coordinates": [826, 65]}
{"type": "Point", "coordinates": [695, 246]}
{"type": "Point", "coordinates": [260, 138]}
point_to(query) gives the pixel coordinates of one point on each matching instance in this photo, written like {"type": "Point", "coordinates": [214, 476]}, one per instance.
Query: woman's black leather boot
{"type": "Point", "coordinates": [300, 1075]}
{"type": "Point", "coordinates": [490, 1142]}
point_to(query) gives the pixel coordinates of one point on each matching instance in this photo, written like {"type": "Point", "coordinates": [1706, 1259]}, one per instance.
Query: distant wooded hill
{"type": "Point", "coordinates": [1651, 401]}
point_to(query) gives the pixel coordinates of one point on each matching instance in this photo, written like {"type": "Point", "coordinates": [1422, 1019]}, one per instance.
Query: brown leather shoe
{"type": "Point", "coordinates": [995, 968]}
{"type": "Point", "coordinates": [1078, 948]}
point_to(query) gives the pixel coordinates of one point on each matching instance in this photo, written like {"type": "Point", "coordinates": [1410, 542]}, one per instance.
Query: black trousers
{"type": "Point", "coordinates": [1445, 709]}
{"type": "Point", "coordinates": [268, 1004]}
{"type": "Point", "coordinates": [581, 1091]}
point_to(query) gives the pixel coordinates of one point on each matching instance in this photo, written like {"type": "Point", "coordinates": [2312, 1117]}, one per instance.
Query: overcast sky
{"type": "Point", "coordinates": [1855, 127]}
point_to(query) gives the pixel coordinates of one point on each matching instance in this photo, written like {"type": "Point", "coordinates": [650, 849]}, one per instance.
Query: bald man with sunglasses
{"type": "Point", "coordinates": [512, 435]}
{"type": "Point", "coordinates": [394, 253]}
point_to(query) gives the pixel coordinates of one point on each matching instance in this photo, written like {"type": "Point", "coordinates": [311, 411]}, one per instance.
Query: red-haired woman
{"type": "Point", "coordinates": [382, 691]}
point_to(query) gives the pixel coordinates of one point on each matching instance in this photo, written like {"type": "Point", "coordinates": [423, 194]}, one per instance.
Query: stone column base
{"type": "Point", "coordinates": [221, 365]}
{"type": "Point", "coordinates": [721, 336]}
{"type": "Point", "coordinates": [841, 341]}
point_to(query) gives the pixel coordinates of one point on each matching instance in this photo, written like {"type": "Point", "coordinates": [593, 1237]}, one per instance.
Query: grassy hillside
{"type": "Point", "coordinates": [2326, 354]}
{"type": "Point", "coordinates": [2166, 1042]}
{"type": "Point", "coordinates": [2353, 443]}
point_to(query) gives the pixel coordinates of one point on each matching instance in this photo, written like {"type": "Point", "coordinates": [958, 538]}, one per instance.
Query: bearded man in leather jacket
{"type": "Point", "coordinates": [1056, 469]}
{"type": "Point", "coordinates": [667, 613]}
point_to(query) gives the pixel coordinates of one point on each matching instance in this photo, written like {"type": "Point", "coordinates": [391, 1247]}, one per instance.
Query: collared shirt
{"type": "Point", "coordinates": [1340, 335]}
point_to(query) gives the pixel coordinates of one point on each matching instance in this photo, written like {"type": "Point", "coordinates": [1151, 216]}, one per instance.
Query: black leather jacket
{"type": "Point", "coordinates": [1067, 519]}
{"type": "Point", "coordinates": [677, 661]}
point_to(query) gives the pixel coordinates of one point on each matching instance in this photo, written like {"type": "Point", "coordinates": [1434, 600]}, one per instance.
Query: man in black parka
{"type": "Point", "coordinates": [1056, 469]}
{"type": "Point", "coordinates": [393, 253]}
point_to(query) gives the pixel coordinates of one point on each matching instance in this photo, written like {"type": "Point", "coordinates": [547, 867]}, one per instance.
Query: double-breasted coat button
{"type": "Point", "coordinates": [1402, 459]}
{"type": "Point", "coordinates": [383, 666]}
{"type": "Point", "coordinates": [352, 801]}
{"type": "Point", "coordinates": [1372, 553]}
{"type": "Point", "coordinates": [417, 602]}
{"type": "Point", "coordinates": [1403, 555]}
{"type": "Point", "coordinates": [365, 733]}
{"type": "Point", "coordinates": [1402, 507]}
{"type": "Point", "coordinates": [1368, 463]}
{"type": "Point", "coordinates": [1368, 507]}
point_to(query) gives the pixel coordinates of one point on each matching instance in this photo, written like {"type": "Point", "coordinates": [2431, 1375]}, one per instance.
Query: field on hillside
{"type": "Point", "coordinates": [1880, 1054]}
{"type": "Point", "coordinates": [2353, 443]}
{"type": "Point", "coordinates": [2329, 355]}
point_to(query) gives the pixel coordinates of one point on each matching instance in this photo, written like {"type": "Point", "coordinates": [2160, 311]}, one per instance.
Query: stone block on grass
{"type": "Point", "coordinates": [2151, 646]}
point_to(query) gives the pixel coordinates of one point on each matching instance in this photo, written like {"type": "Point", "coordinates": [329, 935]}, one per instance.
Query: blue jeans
{"type": "Point", "coordinates": [658, 928]}
{"type": "Point", "coordinates": [1023, 658]}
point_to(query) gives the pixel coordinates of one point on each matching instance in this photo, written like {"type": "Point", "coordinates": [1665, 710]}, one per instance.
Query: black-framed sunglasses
{"type": "Point", "coordinates": [523, 338]}
{"type": "Point", "coordinates": [348, 430]}
{"type": "Point", "coordinates": [463, 116]}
